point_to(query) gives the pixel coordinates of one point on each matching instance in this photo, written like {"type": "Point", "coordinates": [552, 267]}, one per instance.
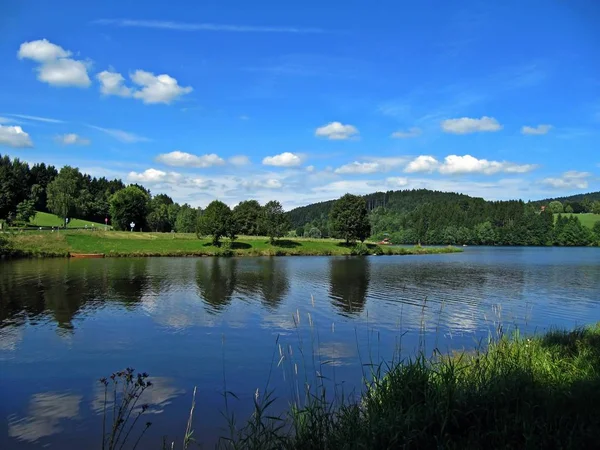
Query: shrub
{"type": "Point", "coordinates": [313, 233]}
{"type": "Point", "coordinates": [378, 250]}
{"type": "Point", "coordinates": [4, 245]}
{"type": "Point", "coordinates": [359, 250]}
{"type": "Point", "coordinates": [226, 249]}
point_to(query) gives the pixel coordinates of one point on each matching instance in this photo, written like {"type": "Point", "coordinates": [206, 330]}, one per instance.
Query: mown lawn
{"type": "Point", "coordinates": [113, 243]}
{"type": "Point", "coordinates": [42, 219]}
{"type": "Point", "coordinates": [587, 219]}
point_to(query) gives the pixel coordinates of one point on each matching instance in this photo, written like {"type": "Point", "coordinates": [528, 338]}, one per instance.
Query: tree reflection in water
{"type": "Point", "coordinates": [349, 279]}
{"type": "Point", "coordinates": [216, 280]}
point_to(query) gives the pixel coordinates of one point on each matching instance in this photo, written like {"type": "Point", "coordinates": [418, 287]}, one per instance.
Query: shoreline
{"type": "Point", "coordinates": [81, 244]}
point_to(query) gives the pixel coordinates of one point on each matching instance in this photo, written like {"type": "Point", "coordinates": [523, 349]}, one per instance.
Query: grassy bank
{"type": "Point", "coordinates": [174, 244]}
{"type": "Point", "coordinates": [42, 219]}
{"type": "Point", "coordinates": [587, 219]}
{"type": "Point", "coordinates": [540, 392]}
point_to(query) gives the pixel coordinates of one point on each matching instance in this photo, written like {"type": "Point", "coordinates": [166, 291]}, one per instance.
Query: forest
{"type": "Point", "coordinates": [432, 217]}
{"type": "Point", "coordinates": [68, 193]}
{"type": "Point", "coordinates": [404, 217]}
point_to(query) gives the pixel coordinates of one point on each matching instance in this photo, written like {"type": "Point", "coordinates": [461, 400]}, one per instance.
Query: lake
{"type": "Point", "coordinates": [224, 324]}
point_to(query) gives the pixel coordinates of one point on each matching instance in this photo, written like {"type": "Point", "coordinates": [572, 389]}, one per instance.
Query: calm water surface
{"type": "Point", "coordinates": [206, 322]}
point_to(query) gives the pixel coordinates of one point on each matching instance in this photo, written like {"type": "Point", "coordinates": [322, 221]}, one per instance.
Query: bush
{"type": "Point", "coordinates": [226, 249]}
{"type": "Point", "coordinates": [4, 245]}
{"type": "Point", "coordinates": [313, 233]}
{"type": "Point", "coordinates": [360, 250]}
{"type": "Point", "coordinates": [19, 223]}
{"type": "Point", "coordinates": [378, 251]}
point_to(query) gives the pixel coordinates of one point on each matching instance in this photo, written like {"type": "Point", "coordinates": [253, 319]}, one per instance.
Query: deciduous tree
{"type": "Point", "coordinates": [275, 221]}
{"type": "Point", "coordinates": [25, 210]}
{"type": "Point", "coordinates": [215, 221]}
{"type": "Point", "coordinates": [129, 205]}
{"type": "Point", "coordinates": [63, 192]}
{"type": "Point", "coordinates": [187, 219]}
{"type": "Point", "coordinates": [349, 219]}
{"type": "Point", "coordinates": [247, 216]}
{"type": "Point", "coordinates": [556, 207]}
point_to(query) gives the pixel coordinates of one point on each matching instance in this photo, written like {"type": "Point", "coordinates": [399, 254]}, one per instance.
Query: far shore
{"type": "Point", "coordinates": [86, 243]}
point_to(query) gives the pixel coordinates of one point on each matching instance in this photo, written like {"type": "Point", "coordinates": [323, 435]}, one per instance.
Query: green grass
{"type": "Point", "coordinates": [43, 244]}
{"type": "Point", "coordinates": [540, 392]}
{"type": "Point", "coordinates": [587, 219]}
{"type": "Point", "coordinates": [114, 243]}
{"type": "Point", "coordinates": [42, 219]}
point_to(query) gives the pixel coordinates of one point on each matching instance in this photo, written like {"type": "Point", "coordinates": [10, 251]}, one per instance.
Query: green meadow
{"type": "Point", "coordinates": [42, 219]}
{"type": "Point", "coordinates": [586, 219]}
{"type": "Point", "coordinates": [122, 243]}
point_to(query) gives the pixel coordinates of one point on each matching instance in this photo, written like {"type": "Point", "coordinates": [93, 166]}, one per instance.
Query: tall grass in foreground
{"type": "Point", "coordinates": [540, 392]}
{"type": "Point", "coordinates": [515, 392]}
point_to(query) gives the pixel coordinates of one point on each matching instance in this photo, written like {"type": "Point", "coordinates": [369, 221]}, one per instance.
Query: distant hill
{"type": "Point", "coordinates": [403, 201]}
{"type": "Point", "coordinates": [593, 196]}
{"type": "Point", "coordinates": [406, 201]}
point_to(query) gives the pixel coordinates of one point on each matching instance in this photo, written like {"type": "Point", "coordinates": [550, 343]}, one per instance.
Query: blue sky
{"type": "Point", "coordinates": [306, 101]}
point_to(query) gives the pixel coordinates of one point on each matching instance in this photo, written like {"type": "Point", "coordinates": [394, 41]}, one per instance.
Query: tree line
{"type": "Point", "coordinates": [433, 218]}
{"type": "Point", "coordinates": [405, 217]}
{"type": "Point", "coordinates": [69, 193]}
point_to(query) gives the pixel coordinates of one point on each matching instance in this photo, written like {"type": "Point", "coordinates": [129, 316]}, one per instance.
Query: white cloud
{"type": "Point", "coordinates": [36, 118]}
{"type": "Point", "coordinates": [182, 26]}
{"type": "Point", "coordinates": [387, 162]}
{"type": "Point", "coordinates": [569, 180]}
{"type": "Point", "coordinates": [423, 163]}
{"type": "Point", "coordinates": [14, 137]}
{"type": "Point", "coordinates": [42, 51]}
{"type": "Point", "coordinates": [113, 83]}
{"type": "Point", "coordinates": [467, 125]}
{"type": "Point", "coordinates": [410, 133]}
{"type": "Point", "coordinates": [455, 165]}
{"type": "Point", "coordinates": [72, 139]}
{"type": "Point", "coordinates": [338, 188]}
{"type": "Point", "coordinates": [316, 186]}
{"type": "Point", "coordinates": [55, 65]}
{"type": "Point", "coordinates": [153, 176]}
{"type": "Point", "coordinates": [358, 168]}
{"type": "Point", "coordinates": [152, 88]}
{"type": "Point", "coordinates": [239, 160]}
{"type": "Point", "coordinates": [64, 72]}
{"type": "Point", "coordinates": [372, 165]}
{"type": "Point", "coordinates": [540, 129]}
{"type": "Point", "coordinates": [286, 159]}
{"type": "Point", "coordinates": [5, 120]}
{"type": "Point", "coordinates": [182, 159]}
{"type": "Point", "coordinates": [120, 135]}
{"type": "Point", "coordinates": [336, 131]}
{"type": "Point", "coordinates": [310, 168]}
{"type": "Point", "coordinates": [270, 183]}
{"type": "Point", "coordinates": [397, 182]}
{"type": "Point", "coordinates": [157, 88]}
